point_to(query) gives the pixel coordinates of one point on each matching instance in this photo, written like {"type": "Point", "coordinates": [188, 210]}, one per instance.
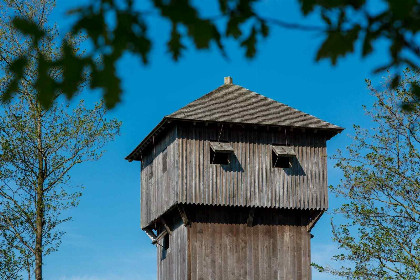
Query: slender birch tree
{"type": "Point", "coordinates": [38, 148]}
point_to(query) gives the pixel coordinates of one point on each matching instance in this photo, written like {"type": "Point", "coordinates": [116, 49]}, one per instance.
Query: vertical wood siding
{"type": "Point", "coordinates": [219, 244]}
{"type": "Point", "coordinates": [261, 252]}
{"type": "Point", "coordinates": [250, 179]}
{"type": "Point", "coordinates": [174, 266]}
{"type": "Point", "coordinates": [159, 182]}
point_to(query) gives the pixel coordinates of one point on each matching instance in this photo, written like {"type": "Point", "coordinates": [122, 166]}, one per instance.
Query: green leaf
{"type": "Point", "coordinates": [46, 86]}
{"type": "Point", "coordinates": [401, 9]}
{"type": "Point", "coordinates": [11, 89]}
{"type": "Point", "coordinates": [223, 5]}
{"type": "Point", "coordinates": [395, 81]}
{"type": "Point", "coordinates": [174, 44]}
{"type": "Point", "coordinates": [17, 70]}
{"type": "Point", "coordinates": [338, 43]}
{"type": "Point", "coordinates": [28, 27]}
{"type": "Point", "coordinates": [130, 35]}
{"type": "Point", "coordinates": [250, 43]}
{"type": "Point", "coordinates": [107, 80]}
{"type": "Point", "coordinates": [95, 26]}
{"type": "Point", "coordinates": [307, 6]}
{"type": "Point", "coordinates": [17, 67]}
{"type": "Point", "coordinates": [264, 29]}
{"type": "Point", "coordinates": [202, 33]}
{"type": "Point", "coordinates": [367, 47]}
{"type": "Point", "coordinates": [232, 28]}
{"type": "Point", "coordinates": [415, 89]}
{"type": "Point", "coordinates": [73, 69]}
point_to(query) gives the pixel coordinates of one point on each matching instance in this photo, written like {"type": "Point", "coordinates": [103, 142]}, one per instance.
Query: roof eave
{"type": "Point", "coordinates": [134, 155]}
{"type": "Point", "coordinates": [137, 151]}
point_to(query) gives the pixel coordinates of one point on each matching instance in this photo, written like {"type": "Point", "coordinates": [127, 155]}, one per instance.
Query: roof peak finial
{"type": "Point", "coordinates": [228, 80]}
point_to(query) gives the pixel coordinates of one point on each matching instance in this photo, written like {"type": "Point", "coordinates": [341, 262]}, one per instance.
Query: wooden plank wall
{"type": "Point", "coordinates": [220, 243]}
{"type": "Point", "coordinates": [174, 265]}
{"type": "Point", "coordinates": [261, 252]}
{"type": "Point", "coordinates": [158, 183]}
{"type": "Point", "coordinates": [250, 180]}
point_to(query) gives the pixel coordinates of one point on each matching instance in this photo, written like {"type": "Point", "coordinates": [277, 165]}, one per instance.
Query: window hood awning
{"type": "Point", "coordinates": [221, 147]}
{"type": "Point", "coordinates": [284, 151]}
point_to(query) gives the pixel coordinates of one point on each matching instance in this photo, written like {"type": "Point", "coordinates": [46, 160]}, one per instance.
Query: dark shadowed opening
{"type": "Point", "coordinates": [281, 161]}
{"type": "Point", "coordinates": [219, 158]}
{"type": "Point", "coordinates": [165, 246]}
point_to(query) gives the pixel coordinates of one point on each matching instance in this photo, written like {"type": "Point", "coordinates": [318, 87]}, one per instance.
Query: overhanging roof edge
{"type": "Point", "coordinates": [132, 156]}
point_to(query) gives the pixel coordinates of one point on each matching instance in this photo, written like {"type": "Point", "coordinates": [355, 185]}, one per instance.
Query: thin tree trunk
{"type": "Point", "coordinates": [39, 202]}
{"type": "Point", "coordinates": [39, 229]}
{"type": "Point", "coordinates": [28, 269]}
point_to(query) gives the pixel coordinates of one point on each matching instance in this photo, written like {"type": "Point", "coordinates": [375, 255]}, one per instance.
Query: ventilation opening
{"type": "Point", "coordinates": [165, 246]}
{"type": "Point", "coordinates": [219, 158]}
{"type": "Point", "coordinates": [282, 156]}
{"type": "Point", "coordinates": [220, 152]}
{"type": "Point", "coordinates": [281, 161]}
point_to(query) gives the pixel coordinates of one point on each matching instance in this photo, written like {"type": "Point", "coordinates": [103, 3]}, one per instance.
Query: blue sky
{"type": "Point", "coordinates": [105, 241]}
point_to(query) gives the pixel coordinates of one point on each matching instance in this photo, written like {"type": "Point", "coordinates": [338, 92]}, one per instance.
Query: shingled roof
{"type": "Point", "coordinates": [231, 103]}
{"type": "Point", "coordinates": [235, 104]}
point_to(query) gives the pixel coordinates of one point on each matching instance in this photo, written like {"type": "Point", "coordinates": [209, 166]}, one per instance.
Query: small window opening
{"type": "Point", "coordinates": [281, 162]}
{"type": "Point", "coordinates": [220, 153]}
{"type": "Point", "coordinates": [165, 246]}
{"type": "Point", "coordinates": [282, 156]}
{"type": "Point", "coordinates": [219, 158]}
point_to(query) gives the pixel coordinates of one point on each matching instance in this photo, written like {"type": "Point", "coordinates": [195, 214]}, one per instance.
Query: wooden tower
{"type": "Point", "coordinates": [231, 186]}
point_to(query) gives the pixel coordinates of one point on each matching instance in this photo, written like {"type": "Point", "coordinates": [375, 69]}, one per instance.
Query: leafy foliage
{"type": "Point", "coordinates": [381, 238]}
{"type": "Point", "coordinates": [38, 147]}
{"type": "Point", "coordinates": [349, 26]}
{"type": "Point", "coordinates": [10, 263]}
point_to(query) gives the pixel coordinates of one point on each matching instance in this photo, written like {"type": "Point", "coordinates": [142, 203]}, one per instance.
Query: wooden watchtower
{"type": "Point", "coordinates": [231, 186]}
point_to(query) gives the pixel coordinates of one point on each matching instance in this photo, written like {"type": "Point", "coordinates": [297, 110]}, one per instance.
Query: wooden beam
{"type": "Point", "coordinates": [313, 221]}
{"type": "Point", "coordinates": [159, 237]}
{"type": "Point", "coordinates": [250, 220]}
{"type": "Point", "coordinates": [150, 233]}
{"type": "Point", "coordinates": [168, 229]}
{"type": "Point", "coordinates": [183, 214]}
